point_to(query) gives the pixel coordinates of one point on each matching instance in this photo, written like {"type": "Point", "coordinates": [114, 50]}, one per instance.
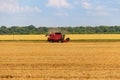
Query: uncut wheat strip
{"type": "Point", "coordinates": [22, 37]}
{"type": "Point", "coordinates": [93, 36]}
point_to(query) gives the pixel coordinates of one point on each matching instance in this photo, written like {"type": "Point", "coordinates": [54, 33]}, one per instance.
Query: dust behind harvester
{"type": "Point", "coordinates": [57, 37]}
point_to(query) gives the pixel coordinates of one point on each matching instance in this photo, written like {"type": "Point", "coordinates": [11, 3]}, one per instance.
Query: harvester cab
{"type": "Point", "coordinates": [57, 37]}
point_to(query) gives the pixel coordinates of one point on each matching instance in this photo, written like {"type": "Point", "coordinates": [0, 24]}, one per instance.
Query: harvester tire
{"type": "Point", "coordinates": [68, 39]}
{"type": "Point", "coordinates": [61, 41]}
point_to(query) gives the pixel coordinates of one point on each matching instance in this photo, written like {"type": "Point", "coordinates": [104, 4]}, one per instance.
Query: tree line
{"type": "Point", "coordinates": [31, 29]}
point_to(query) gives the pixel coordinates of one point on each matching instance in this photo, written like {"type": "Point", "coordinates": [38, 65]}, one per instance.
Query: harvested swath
{"type": "Point", "coordinates": [66, 61]}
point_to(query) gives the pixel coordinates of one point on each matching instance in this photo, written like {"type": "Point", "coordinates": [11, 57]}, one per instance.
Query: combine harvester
{"type": "Point", "coordinates": [57, 37]}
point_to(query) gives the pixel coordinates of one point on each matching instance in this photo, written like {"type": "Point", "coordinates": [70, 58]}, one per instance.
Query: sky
{"type": "Point", "coordinates": [55, 13]}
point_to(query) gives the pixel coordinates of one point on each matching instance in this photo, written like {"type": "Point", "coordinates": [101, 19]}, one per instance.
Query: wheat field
{"type": "Point", "coordinates": [93, 36]}
{"type": "Point", "coordinates": [22, 37]}
{"type": "Point", "coordinates": [71, 36]}
{"type": "Point", "coordinates": [59, 61]}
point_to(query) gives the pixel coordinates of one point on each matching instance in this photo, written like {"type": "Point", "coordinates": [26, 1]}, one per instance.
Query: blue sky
{"type": "Point", "coordinates": [59, 12]}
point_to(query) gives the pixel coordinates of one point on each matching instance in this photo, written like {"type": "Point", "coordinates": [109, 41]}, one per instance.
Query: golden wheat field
{"type": "Point", "coordinates": [59, 61]}
{"type": "Point", "coordinates": [72, 37]}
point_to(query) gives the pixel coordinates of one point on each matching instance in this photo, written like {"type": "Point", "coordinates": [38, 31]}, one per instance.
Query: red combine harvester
{"type": "Point", "coordinates": [57, 37]}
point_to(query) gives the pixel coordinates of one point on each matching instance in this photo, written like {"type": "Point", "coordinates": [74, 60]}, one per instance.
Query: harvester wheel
{"type": "Point", "coordinates": [60, 41]}
{"type": "Point", "coordinates": [68, 39]}
{"type": "Point", "coordinates": [50, 41]}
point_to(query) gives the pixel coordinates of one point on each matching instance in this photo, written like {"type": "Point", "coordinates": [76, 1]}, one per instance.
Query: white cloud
{"type": "Point", "coordinates": [117, 1]}
{"type": "Point", "coordinates": [102, 13]}
{"type": "Point", "coordinates": [114, 9]}
{"type": "Point", "coordinates": [100, 8]}
{"type": "Point", "coordinates": [76, 2]}
{"type": "Point", "coordinates": [13, 6]}
{"type": "Point", "coordinates": [59, 3]}
{"type": "Point", "coordinates": [103, 8]}
{"type": "Point", "coordinates": [62, 14]}
{"type": "Point", "coordinates": [98, 13]}
{"type": "Point", "coordinates": [86, 4]}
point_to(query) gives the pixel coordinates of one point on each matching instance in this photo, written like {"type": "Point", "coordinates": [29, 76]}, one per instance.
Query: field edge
{"type": "Point", "coordinates": [80, 40]}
